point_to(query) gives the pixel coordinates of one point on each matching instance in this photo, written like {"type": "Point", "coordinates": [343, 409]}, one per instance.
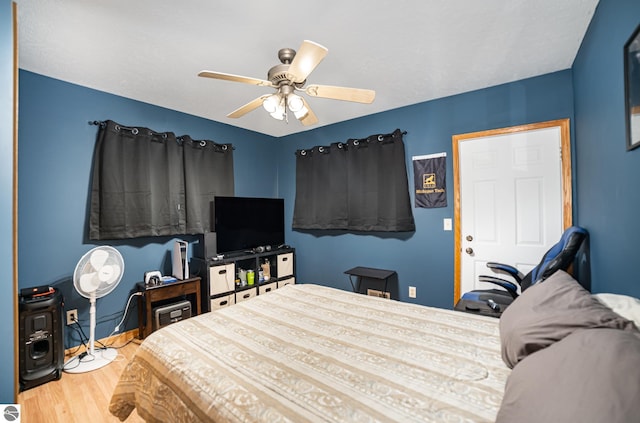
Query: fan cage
{"type": "Point", "coordinates": [84, 266]}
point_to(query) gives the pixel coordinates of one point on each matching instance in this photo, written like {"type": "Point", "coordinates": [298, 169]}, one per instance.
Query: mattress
{"type": "Point", "coordinates": [310, 353]}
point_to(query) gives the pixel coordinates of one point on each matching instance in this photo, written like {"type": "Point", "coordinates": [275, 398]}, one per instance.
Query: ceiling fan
{"type": "Point", "coordinates": [287, 78]}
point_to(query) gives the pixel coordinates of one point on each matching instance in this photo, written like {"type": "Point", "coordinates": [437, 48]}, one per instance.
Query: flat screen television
{"type": "Point", "coordinates": [244, 223]}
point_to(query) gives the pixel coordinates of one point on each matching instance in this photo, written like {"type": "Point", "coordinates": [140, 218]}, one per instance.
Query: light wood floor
{"type": "Point", "coordinates": [82, 397]}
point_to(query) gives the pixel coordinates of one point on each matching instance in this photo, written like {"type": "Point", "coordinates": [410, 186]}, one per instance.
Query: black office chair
{"type": "Point", "coordinates": [572, 247]}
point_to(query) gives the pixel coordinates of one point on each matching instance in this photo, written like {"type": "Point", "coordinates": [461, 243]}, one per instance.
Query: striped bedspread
{"type": "Point", "coordinates": [308, 353]}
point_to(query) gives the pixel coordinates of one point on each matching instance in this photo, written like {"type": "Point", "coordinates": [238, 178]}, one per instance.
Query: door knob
{"type": "Point", "coordinates": [469, 250]}
{"type": "Point", "coordinates": [469, 238]}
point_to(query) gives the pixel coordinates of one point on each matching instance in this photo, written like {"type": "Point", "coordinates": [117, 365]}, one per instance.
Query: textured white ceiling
{"type": "Point", "coordinates": [408, 51]}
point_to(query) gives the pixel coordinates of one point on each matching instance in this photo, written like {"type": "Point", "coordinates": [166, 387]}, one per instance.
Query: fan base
{"type": "Point", "coordinates": [88, 363]}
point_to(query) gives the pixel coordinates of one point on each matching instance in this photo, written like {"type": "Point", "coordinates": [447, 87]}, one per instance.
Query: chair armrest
{"type": "Point", "coordinates": [511, 287]}
{"type": "Point", "coordinates": [505, 268]}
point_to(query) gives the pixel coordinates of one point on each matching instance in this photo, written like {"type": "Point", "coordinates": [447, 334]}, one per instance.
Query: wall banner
{"type": "Point", "coordinates": [429, 176]}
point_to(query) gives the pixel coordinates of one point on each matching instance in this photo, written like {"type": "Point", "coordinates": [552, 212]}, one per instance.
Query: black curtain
{"type": "Point", "coordinates": [208, 171]}
{"type": "Point", "coordinates": [321, 188]}
{"type": "Point", "coordinates": [359, 185]}
{"type": "Point", "coordinates": [139, 183]}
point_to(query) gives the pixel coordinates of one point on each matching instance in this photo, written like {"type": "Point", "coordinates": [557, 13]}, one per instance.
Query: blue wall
{"type": "Point", "coordinates": [423, 259]}
{"type": "Point", "coordinates": [7, 382]}
{"type": "Point", "coordinates": [56, 146]}
{"type": "Point", "coordinates": [607, 175]}
{"type": "Point", "coordinates": [55, 155]}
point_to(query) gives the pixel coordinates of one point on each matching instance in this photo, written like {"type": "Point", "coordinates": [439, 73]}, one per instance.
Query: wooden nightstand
{"type": "Point", "coordinates": [154, 295]}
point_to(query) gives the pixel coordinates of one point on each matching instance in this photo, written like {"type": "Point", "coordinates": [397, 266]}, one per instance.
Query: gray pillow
{"type": "Point", "coordinates": [591, 376]}
{"type": "Point", "coordinates": [549, 311]}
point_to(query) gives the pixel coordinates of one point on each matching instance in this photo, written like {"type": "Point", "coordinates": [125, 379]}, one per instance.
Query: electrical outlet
{"type": "Point", "coordinates": [72, 316]}
{"type": "Point", "coordinates": [412, 292]}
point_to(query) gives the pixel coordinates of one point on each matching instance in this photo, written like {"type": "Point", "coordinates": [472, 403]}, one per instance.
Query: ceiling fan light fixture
{"type": "Point", "coordinates": [299, 114]}
{"type": "Point", "coordinates": [280, 111]}
{"type": "Point", "coordinates": [278, 114]}
{"type": "Point", "coordinates": [272, 103]}
{"type": "Point", "coordinates": [295, 102]}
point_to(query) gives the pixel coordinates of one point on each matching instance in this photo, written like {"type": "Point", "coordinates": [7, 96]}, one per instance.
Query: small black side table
{"type": "Point", "coordinates": [369, 273]}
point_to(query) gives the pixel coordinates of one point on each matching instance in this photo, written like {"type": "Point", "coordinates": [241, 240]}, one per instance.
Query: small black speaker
{"type": "Point", "coordinates": [41, 349]}
{"type": "Point", "coordinates": [36, 291]}
{"type": "Point", "coordinates": [206, 247]}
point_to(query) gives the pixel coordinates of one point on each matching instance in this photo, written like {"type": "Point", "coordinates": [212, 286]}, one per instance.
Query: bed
{"type": "Point", "coordinates": [309, 353]}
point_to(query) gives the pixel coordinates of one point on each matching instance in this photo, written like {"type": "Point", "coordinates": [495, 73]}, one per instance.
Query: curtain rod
{"type": "Point", "coordinates": [381, 136]}
{"type": "Point", "coordinates": [355, 141]}
{"type": "Point", "coordinates": [98, 122]}
{"type": "Point", "coordinates": [201, 142]}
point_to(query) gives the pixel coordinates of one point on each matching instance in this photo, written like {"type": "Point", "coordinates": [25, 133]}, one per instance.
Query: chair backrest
{"type": "Point", "coordinates": [558, 257]}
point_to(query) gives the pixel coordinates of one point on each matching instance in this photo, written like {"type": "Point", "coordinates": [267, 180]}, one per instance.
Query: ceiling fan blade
{"type": "Point", "coordinates": [305, 61]}
{"type": "Point", "coordinates": [341, 93]}
{"type": "Point", "coordinates": [309, 118]}
{"type": "Point", "coordinates": [250, 106]}
{"type": "Point", "coordinates": [235, 78]}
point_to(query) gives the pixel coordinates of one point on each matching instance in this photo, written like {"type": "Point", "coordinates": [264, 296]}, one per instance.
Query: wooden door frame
{"type": "Point", "coordinates": [567, 204]}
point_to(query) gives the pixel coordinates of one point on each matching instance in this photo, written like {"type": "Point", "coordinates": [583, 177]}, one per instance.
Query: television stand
{"type": "Point", "coordinates": [219, 275]}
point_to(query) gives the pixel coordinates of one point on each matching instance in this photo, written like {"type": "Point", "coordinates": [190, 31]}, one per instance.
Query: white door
{"type": "Point", "coordinates": [512, 199]}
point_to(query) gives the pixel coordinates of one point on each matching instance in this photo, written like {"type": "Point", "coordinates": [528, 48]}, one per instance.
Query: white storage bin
{"type": "Point", "coordinates": [223, 301]}
{"type": "Point", "coordinates": [284, 265]}
{"type": "Point", "coordinates": [263, 289]}
{"type": "Point", "coordinates": [288, 281]}
{"type": "Point", "coordinates": [245, 295]}
{"type": "Point", "coordinates": [221, 279]}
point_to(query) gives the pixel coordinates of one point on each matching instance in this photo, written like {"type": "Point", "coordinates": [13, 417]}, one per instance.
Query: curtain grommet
{"type": "Point", "coordinates": [380, 138]}
{"type": "Point", "coordinates": [203, 143]}
{"type": "Point", "coordinates": [134, 131]}
{"type": "Point", "coordinates": [303, 153]}
{"type": "Point", "coordinates": [321, 149]}
{"type": "Point", "coordinates": [117, 127]}
{"type": "Point", "coordinates": [164, 136]}
{"type": "Point", "coordinates": [356, 142]}
{"type": "Point", "coordinates": [225, 147]}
